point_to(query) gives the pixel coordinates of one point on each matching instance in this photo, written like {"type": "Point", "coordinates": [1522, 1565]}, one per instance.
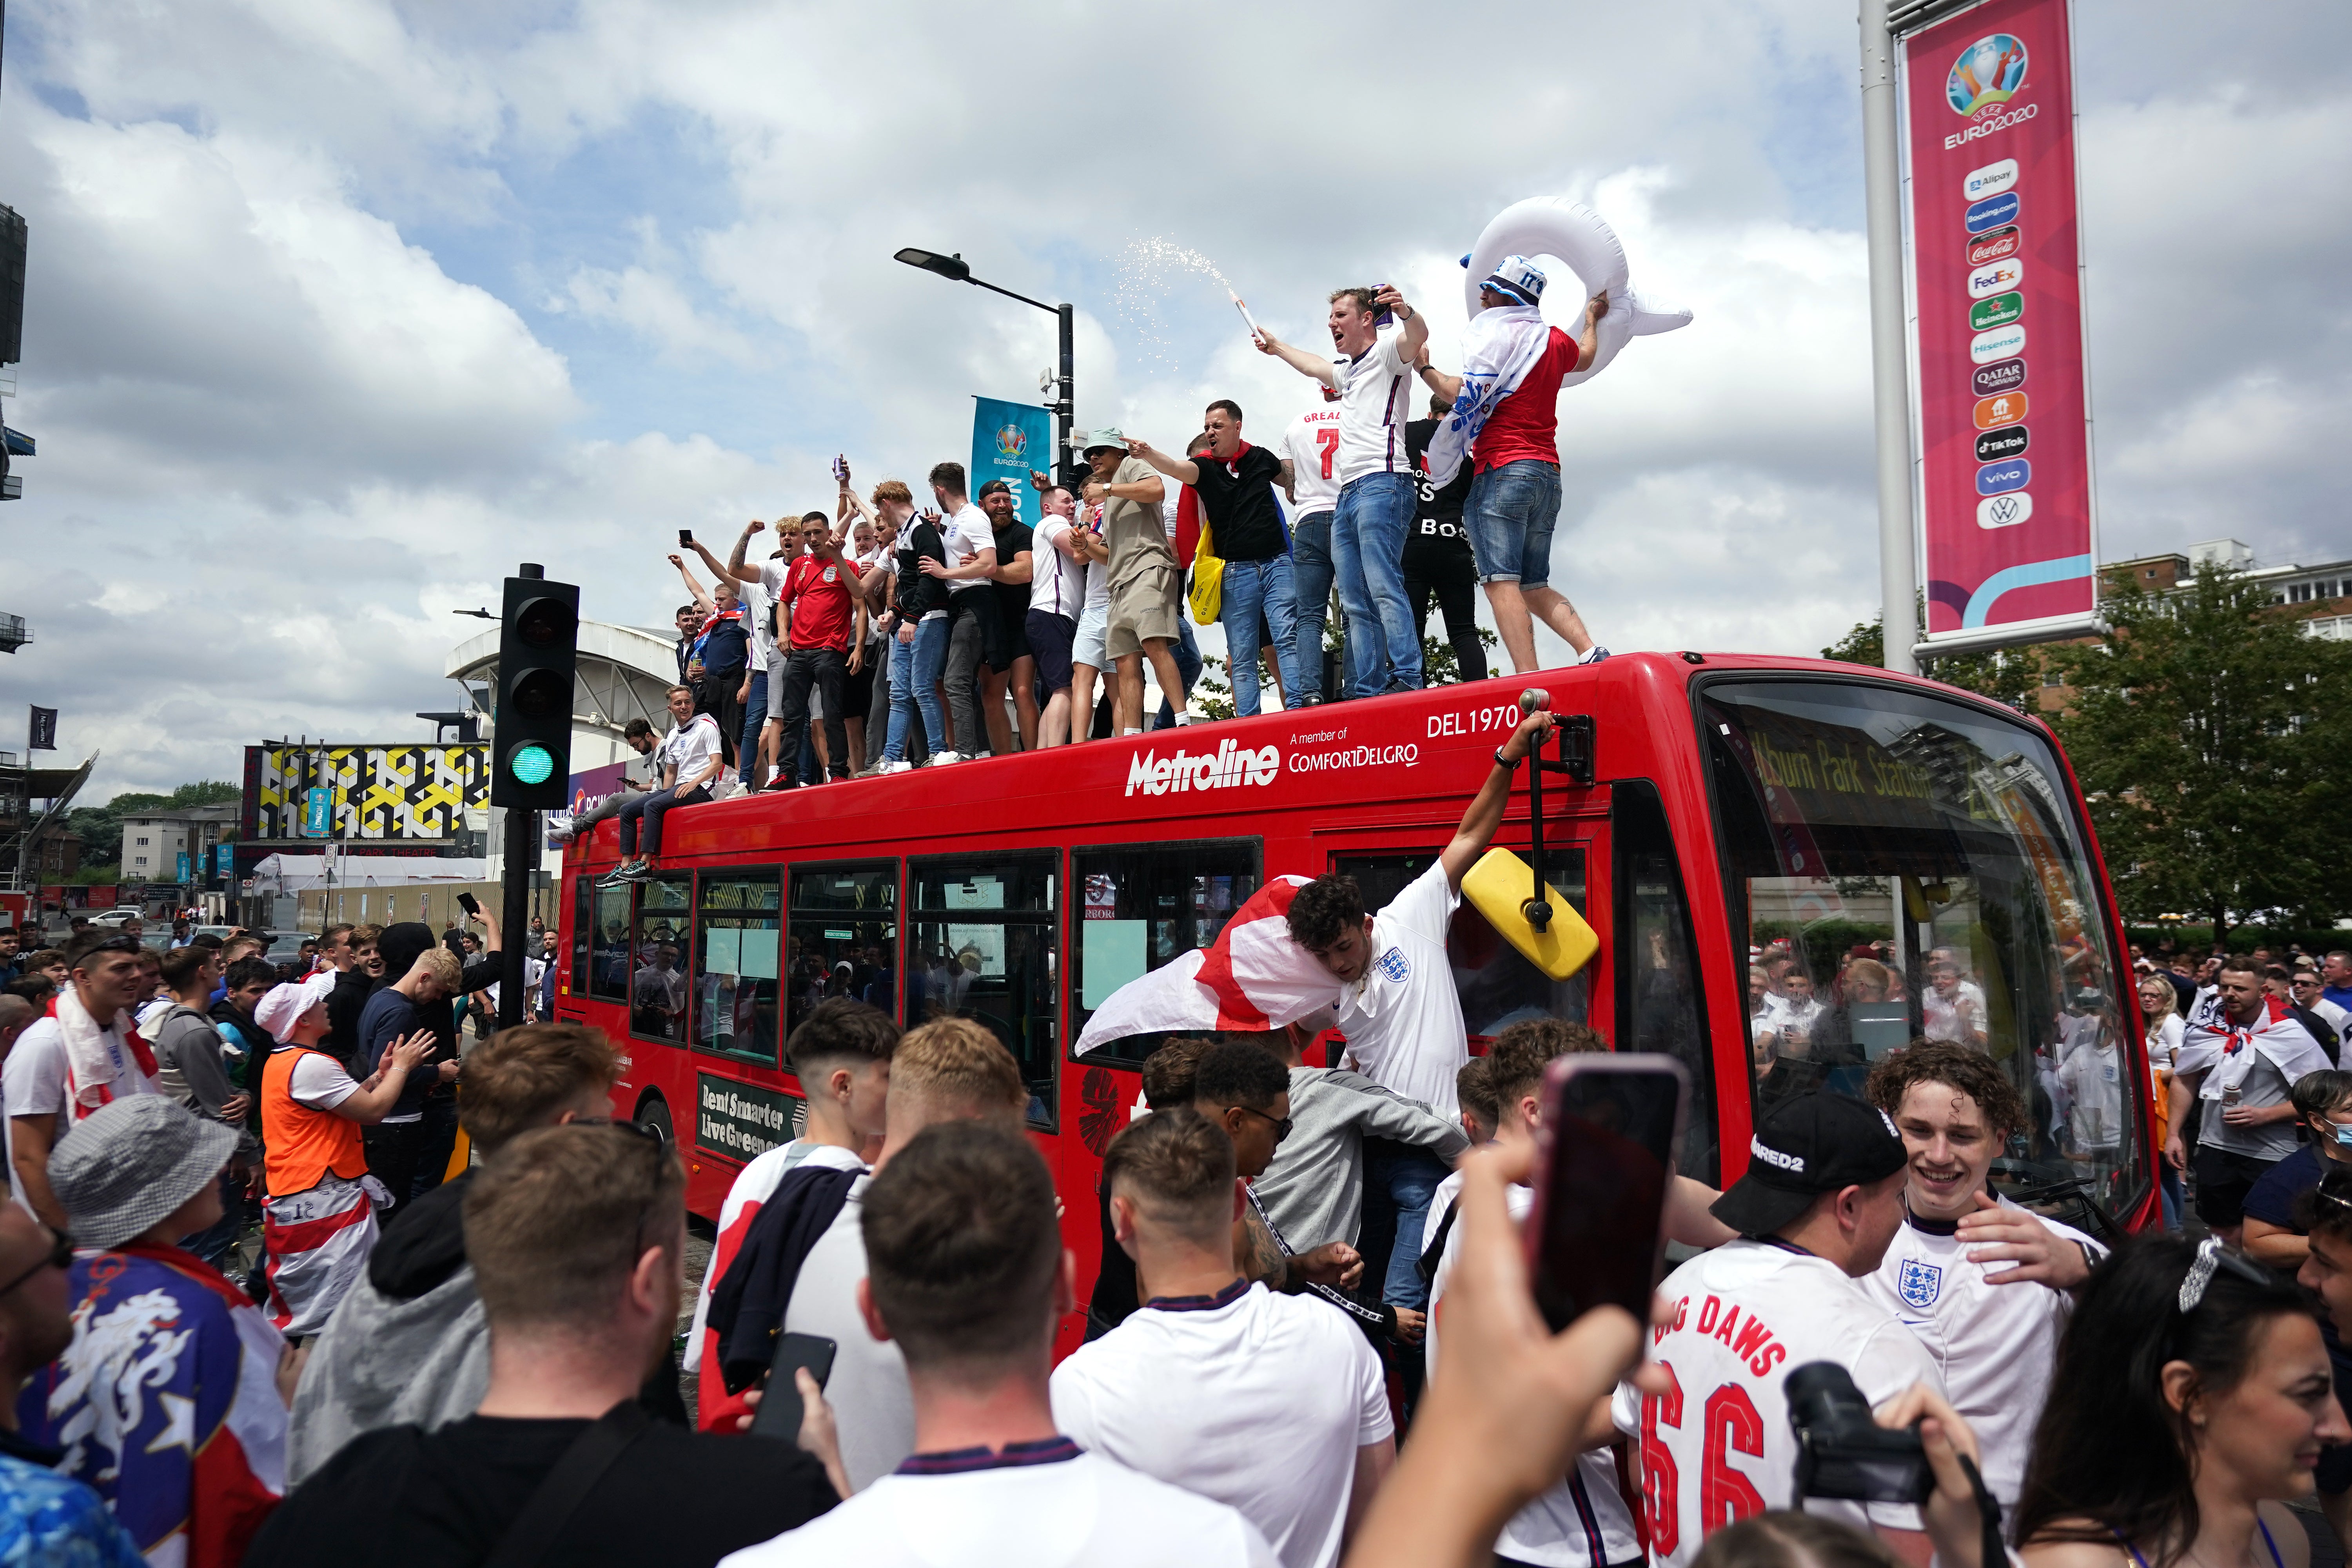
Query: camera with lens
{"type": "Point", "coordinates": [1841, 1452]}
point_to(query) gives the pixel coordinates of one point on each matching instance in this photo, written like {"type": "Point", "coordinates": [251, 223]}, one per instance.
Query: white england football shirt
{"type": "Point", "coordinates": [1718, 1448]}
{"type": "Point", "coordinates": [1580, 1521]}
{"type": "Point", "coordinates": [873, 1409]}
{"type": "Point", "coordinates": [690, 748]}
{"type": "Point", "coordinates": [33, 1083]}
{"type": "Point", "coordinates": [1403, 1018]}
{"type": "Point", "coordinates": [966, 533]}
{"type": "Point", "coordinates": [1311, 446]}
{"type": "Point", "coordinates": [1047, 1507]}
{"type": "Point", "coordinates": [1374, 389]}
{"type": "Point", "coordinates": [1248, 1397]}
{"type": "Point", "coordinates": [1994, 1344]}
{"type": "Point", "coordinates": [1056, 583]}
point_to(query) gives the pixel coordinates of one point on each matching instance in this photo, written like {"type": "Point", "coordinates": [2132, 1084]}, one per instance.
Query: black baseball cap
{"type": "Point", "coordinates": [1807, 1145]}
{"type": "Point", "coordinates": [991, 488]}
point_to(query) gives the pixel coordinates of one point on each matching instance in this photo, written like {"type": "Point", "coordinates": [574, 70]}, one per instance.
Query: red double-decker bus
{"type": "Point", "coordinates": [1741, 813]}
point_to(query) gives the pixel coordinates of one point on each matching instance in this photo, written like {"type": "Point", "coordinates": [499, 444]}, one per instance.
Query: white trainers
{"type": "Point", "coordinates": [943, 759]}
{"type": "Point", "coordinates": [900, 766]}
{"type": "Point", "coordinates": [1593, 655]}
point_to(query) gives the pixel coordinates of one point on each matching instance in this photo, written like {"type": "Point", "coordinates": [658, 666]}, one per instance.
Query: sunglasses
{"type": "Point", "coordinates": [124, 943]}
{"type": "Point", "coordinates": [1282, 1124]}
{"type": "Point", "coordinates": [60, 1256]}
{"type": "Point", "coordinates": [2211, 1258]}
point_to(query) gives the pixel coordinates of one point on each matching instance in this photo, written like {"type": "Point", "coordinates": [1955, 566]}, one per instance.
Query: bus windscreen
{"type": "Point", "coordinates": [1908, 868]}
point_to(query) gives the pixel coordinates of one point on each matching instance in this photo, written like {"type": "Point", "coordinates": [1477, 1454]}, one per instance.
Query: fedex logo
{"type": "Point", "coordinates": [1998, 277]}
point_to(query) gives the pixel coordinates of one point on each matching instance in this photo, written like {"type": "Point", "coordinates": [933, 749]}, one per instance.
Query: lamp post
{"type": "Point", "coordinates": [957, 271]}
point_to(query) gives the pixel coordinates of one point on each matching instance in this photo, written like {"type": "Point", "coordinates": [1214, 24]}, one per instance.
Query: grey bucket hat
{"type": "Point", "coordinates": [131, 1163]}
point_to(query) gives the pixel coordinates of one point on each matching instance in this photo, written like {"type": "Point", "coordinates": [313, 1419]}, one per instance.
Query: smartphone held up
{"type": "Point", "coordinates": [1605, 1167]}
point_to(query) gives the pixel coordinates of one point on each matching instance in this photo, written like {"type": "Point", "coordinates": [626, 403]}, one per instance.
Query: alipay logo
{"type": "Point", "coordinates": [1226, 767]}
{"type": "Point", "coordinates": [1991, 180]}
{"type": "Point", "coordinates": [2005, 511]}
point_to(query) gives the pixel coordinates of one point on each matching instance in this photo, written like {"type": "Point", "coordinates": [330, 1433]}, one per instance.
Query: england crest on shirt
{"type": "Point", "coordinates": [1920, 1283]}
{"type": "Point", "coordinates": [1392, 965]}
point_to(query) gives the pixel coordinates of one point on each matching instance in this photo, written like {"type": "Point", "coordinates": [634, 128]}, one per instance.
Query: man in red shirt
{"type": "Point", "coordinates": [1515, 490]}
{"type": "Point", "coordinates": [816, 596]}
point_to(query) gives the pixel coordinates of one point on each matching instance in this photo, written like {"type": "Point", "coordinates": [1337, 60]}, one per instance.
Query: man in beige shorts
{"type": "Point", "coordinates": [1146, 584]}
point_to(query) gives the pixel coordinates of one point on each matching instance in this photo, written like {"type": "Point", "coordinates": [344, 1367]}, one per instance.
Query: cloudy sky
{"type": "Point", "coordinates": [337, 309]}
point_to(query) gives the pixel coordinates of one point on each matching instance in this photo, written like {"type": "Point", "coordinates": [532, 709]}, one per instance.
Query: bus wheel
{"type": "Point", "coordinates": [655, 1113]}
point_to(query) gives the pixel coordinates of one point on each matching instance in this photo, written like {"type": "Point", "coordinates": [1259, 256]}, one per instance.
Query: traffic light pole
{"type": "Point", "coordinates": [520, 860]}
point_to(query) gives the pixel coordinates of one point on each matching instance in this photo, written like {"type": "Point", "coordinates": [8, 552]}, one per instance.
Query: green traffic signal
{"type": "Point", "coordinates": [532, 764]}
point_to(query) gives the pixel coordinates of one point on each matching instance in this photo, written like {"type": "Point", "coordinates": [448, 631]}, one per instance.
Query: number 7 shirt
{"type": "Point", "coordinates": [1718, 1447]}
{"type": "Point", "coordinates": [1310, 443]}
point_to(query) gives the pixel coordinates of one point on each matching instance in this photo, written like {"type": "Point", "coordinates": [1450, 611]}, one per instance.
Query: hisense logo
{"type": "Point", "coordinates": [1228, 766]}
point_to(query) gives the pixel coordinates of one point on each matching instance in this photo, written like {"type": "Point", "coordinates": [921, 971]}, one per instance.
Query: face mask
{"type": "Point", "coordinates": [2344, 1136]}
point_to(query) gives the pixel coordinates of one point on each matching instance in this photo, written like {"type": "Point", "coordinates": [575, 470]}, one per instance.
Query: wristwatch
{"type": "Point", "coordinates": [1505, 763]}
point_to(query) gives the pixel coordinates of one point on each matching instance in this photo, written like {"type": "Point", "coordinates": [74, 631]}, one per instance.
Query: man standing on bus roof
{"type": "Point", "coordinates": [1374, 376]}
{"type": "Point", "coordinates": [1400, 1011]}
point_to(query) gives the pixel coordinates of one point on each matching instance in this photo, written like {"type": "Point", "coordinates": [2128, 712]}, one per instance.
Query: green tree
{"type": "Point", "coordinates": [2005, 675]}
{"type": "Point", "coordinates": [101, 826]}
{"type": "Point", "coordinates": [2208, 733]}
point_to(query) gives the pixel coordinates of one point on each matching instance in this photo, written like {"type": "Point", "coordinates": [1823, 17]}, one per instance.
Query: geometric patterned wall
{"type": "Point", "coordinates": [381, 792]}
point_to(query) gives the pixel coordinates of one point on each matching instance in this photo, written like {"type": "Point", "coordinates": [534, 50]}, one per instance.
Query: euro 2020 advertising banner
{"type": "Point", "coordinates": [2002, 436]}
{"type": "Point", "coordinates": [1008, 439]}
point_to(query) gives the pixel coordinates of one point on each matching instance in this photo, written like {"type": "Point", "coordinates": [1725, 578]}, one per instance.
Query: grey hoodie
{"type": "Point", "coordinates": [1314, 1191]}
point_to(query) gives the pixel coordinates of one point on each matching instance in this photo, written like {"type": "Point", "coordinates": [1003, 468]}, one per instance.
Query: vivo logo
{"type": "Point", "coordinates": [1999, 478]}
{"type": "Point", "coordinates": [1223, 768]}
{"type": "Point", "coordinates": [1995, 445]}
{"type": "Point", "coordinates": [1998, 279]}
{"type": "Point", "coordinates": [1992, 246]}
{"type": "Point", "coordinates": [2006, 376]}
{"type": "Point", "coordinates": [1991, 180]}
{"type": "Point", "coordinates": [1990, 213]}
{"type": "Point", "coordinates": [2005, 511]}
{"type": "Point", "coordinates": [2001, 342]}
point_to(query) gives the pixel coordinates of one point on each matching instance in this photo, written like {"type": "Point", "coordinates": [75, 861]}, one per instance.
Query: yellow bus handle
{"type": "Point", "coordinates": [1497, 888]}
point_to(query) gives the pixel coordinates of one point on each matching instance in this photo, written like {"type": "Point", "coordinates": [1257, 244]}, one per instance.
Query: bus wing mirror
{"type": "Point", "coordinates": [1497, 887]}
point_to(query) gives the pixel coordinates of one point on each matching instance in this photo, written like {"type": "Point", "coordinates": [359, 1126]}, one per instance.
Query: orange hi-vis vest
{"type": "Point", "coordinates": [303, 1145]}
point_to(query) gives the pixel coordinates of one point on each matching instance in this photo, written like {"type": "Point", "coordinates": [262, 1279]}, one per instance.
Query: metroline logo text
{"type": "Point", "coordinates": [1228, 766]}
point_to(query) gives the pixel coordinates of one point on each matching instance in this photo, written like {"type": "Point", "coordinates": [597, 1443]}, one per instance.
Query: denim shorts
{"type": "Point", "coordinates": [1509, 515]}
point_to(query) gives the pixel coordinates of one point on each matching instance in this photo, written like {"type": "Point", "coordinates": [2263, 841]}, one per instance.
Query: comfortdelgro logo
{"type": "Point", "coordinates": [1227, 767]}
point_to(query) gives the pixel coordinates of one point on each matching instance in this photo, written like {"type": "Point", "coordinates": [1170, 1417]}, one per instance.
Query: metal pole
{"type": "Point", "coordinates": [1065, 464]}
{"type": "Point", "coordinates": [521, 859]}
{"type": "Point", "coordinates": [1882, 175]}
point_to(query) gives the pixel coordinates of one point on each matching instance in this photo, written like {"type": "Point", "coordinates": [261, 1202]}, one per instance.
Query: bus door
{"type": "Point", "coordinates": [1134, 907]}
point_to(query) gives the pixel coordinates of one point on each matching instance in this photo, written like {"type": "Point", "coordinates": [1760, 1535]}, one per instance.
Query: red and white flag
{"type": "Point", "coordinates": [1253, 977]}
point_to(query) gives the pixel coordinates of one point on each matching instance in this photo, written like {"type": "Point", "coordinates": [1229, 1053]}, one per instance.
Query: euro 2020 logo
{"type": "Point", "coordinates": [1010, 443]}
{"type": "Point", "coordinates": [1987, 73]}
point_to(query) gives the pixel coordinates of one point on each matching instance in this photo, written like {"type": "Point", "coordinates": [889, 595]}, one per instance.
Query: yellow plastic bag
{"type": "Point", "coordinates": [1498, 886]}
{"type": "Point", "coordinates": [1208, 580]}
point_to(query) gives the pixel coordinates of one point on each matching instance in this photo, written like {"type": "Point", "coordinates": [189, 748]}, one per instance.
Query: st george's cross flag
{"type": "Point", "coordinates": [1253, 977]}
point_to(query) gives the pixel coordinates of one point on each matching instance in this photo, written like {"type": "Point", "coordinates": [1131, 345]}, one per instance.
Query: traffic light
{"type": "Point", "coordinates": [537, 646]}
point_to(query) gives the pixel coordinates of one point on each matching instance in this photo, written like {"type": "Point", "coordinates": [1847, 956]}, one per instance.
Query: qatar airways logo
{"type": "Point", "coordinates": [1227, 767]}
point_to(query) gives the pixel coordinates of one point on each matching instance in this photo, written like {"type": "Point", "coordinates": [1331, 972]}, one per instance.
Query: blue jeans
{"type": "Point", "coordinates": [650, 808]}
{"type": "Point", "coordinates": [212, 1243]}
{"type": "Point", "coordinates": [1252, 590]}
{"type": "Point", "coordinates": [914, 667]}
{"type": "Point", "coordinates": [1187, 655]}
{"type": "Point", "coordinates": [1509, 515]}
{"type": "Point", "coordinates": [755, 719]}
{"type": "Point", "coordinates": [1404, 1182]}
{"type": "Point", "coordinates": [1368, 558]}
{"type": "Point", "coordinates": [1311, 582]}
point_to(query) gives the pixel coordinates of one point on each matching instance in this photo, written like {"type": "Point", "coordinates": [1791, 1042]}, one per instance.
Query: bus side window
{"type": "Point", "coordinates": [737, 929]}
{"type": "Point", "coordinates": [1141, 906]}
{"type": "Point", "coordinates": [982, 948]}
{"type": "Point", "coordinates": [844, 939]}
{"type": "Point", "coordinates": [1660, 1004]}
{"type": "Point", "coordinates": [608, 967]}
{"type": "Point", "coordinates": [1497, 986]}
{"type": "Point", "coordinates": [657, 987]}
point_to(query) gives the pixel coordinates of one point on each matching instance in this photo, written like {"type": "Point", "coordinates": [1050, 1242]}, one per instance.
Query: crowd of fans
{"type": "Point", "coordinates": [481, 1366]}
{"type": "Point", "coordinates": [889, 634]}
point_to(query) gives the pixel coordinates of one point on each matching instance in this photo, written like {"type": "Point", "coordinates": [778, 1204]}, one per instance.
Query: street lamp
{"type": "Point", "coordinates": [955, 269]}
